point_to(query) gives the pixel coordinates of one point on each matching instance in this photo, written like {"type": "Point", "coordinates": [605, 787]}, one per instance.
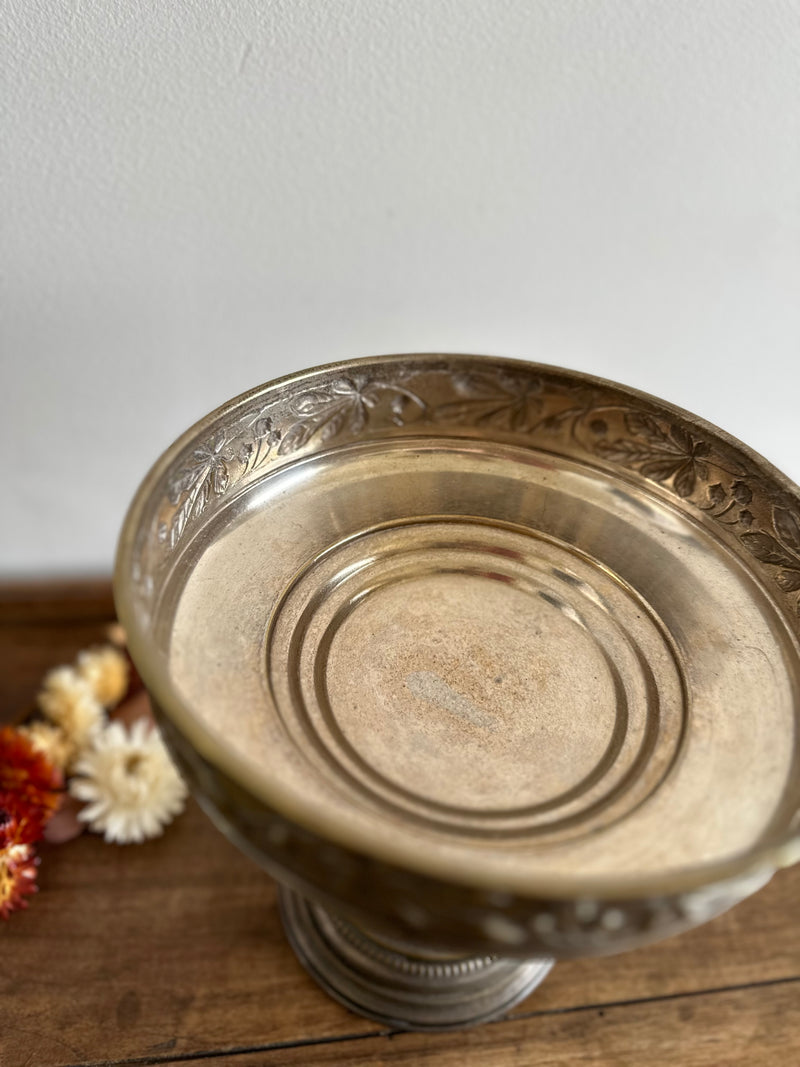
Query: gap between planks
{"type": "Point", "coordinates": [340, 1039]}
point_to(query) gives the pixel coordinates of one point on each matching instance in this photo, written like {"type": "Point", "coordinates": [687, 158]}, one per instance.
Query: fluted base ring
{"type": "Point", "coordinates": [401, 989]}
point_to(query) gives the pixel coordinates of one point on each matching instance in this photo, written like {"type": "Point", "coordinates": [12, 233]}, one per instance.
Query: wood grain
{"type": "Point", "coordinates": [174, 949]}
{"type": "Point", "coordinates": [739, 1028]}
{"type": "Point", "coordinates": [43, 626]}
{"type": "Point", "coordinates": [65, 601]}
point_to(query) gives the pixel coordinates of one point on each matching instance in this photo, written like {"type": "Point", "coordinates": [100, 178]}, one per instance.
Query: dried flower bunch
{"type": "Point", "coordinates": [30, 788]}
{"type": "Point", "coordinates": [78, 753]}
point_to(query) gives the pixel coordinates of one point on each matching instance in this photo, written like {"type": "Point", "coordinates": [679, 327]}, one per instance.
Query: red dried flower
{"type": "Point", "coordinates": [9, 827]}
{"type": "Point", "coordinates": [27, 777]}
{"type": "Point", "coordinates": [18, 864]}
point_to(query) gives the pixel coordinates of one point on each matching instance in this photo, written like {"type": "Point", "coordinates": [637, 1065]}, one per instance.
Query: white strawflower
{"type": "Point", "coordinates": [106, 670]}
{"type": "Point", "coordinates": [69, 701]}
{"type": "Point", "coordinates": [129, 783]}
{"type": "Point", "coordinates": [49, 740]}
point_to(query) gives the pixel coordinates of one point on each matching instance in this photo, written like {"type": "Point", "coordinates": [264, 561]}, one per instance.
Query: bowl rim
{"type": "Point", "coordinates": [757, 862]}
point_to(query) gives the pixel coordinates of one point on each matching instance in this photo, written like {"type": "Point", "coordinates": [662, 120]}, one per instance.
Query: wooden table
{"type": "Point", "coordinates": [172, 951]}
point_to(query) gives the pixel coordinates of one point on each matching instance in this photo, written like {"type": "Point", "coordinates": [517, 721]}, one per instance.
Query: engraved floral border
{"type": "Point", "coordinates": [527, 406]}
{"type": "Point", "coordinates": [311, 418]}
{"type": "Point", "coordinates": [696, 470]}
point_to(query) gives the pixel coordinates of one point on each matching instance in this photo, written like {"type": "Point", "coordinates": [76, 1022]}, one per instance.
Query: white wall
{"type": "Point", "coordinates": [201, 194]}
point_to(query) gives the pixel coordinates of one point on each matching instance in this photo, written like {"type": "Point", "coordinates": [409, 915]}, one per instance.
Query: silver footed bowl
{"type": "Point", "coordinates": [488, 663]}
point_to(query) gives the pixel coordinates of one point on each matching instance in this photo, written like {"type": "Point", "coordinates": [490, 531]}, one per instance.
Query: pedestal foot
{"type": "Point", "coordinates": [400, 989]}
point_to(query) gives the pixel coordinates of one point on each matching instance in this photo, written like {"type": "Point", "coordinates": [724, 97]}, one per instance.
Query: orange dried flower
{"type": "Point", "coordinates": [21, 823]}
{"type": "Point", "coordinates": [29, 783]}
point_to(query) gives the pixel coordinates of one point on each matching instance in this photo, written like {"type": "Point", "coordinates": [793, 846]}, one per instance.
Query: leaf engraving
{"type": "Point", "coordinates": [685, 478]}
{"type": "Point", "coordinates": [787, 528]}
{"type": "Point", "coordinates": [783, 551]}
{"type": "Point", "coordinates": [205, 475]}
{"type": "Point", "coordinates": [661, 468]}
{"type": "Point", "coordinates": [766, 549]}
{"type": "Point", "coordinates": [295, 437]}
{"type": "Point", "coordinates": [660, 452]}
{"type": "Point", "coordinates": [311, 404]}
{"type": "Point", "coordinates": [789, 581]}
{"type": "Point", "coordinates": [333, 425]}
{"type": "Point", "coordinates": [345, 404]}
{"type": "Point", "coordinates": [684, 443]}
{"type": "Point", "coordinates": [506, 400]}
{"type": "Point", "coordinates": [642, 424]}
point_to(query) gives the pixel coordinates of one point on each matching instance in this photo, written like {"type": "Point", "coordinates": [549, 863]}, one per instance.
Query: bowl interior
{"type": "Point", "coordinates": [486, 620]}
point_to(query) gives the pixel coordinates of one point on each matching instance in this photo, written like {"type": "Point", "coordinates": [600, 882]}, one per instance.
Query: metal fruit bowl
{"type": "Point", "coordinates": [488, 663]}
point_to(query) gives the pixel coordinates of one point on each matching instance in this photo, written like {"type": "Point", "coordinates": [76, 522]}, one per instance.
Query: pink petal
{"type": "Point", "coordinates": [64, 824]}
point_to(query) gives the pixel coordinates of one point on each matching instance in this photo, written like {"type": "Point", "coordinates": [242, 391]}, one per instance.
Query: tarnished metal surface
{"type": "Point", "coordinates": [494, 656]}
